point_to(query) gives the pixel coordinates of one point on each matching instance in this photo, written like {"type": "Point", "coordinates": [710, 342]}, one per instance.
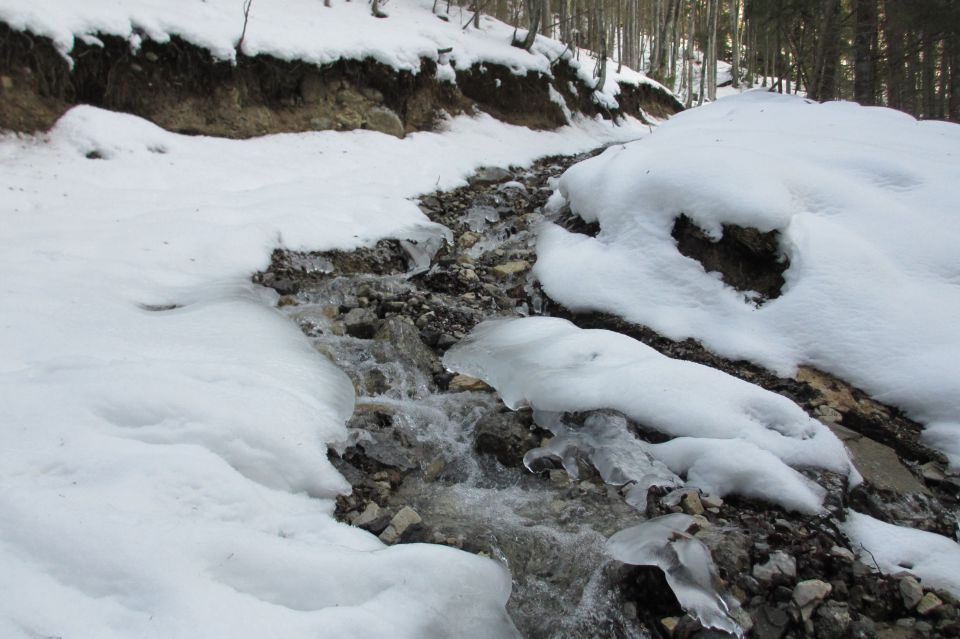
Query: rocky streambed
{"type": "Point", "coordinates": [435, 457]}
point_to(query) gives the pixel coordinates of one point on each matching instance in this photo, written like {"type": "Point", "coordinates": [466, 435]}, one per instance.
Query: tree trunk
{"type": "Point", "coordinates": [735, 40]}
{"type": "Point", "coordinates": [864, 52]}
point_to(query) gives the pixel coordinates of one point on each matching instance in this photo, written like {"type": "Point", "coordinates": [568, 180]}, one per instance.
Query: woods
{"type": "Point", "coordinates": [892, 53]}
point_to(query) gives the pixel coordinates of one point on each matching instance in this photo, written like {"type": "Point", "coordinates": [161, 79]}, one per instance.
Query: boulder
{"type": "Point", "coordinates": [384, 120]}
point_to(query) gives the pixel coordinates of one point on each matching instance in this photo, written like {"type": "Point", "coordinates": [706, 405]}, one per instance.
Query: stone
{"type": "Point", "coordinates": [6, 82]}
{"type": "Point", "coordinates": [670, 624]}
{"type": "Point", "coordinates": [880, 465]}
{"type": "Point", "coordinates": [313, 90]}
{"type": "Point", "coordinates": [770, 622]}
{"type": "Point", "coordinates": [360, 323]}
{"type": "Point", "coordinates": [780, 564]}
{"type": "Point", "coordinates": [405, 338]}
{"type": "Point", "coordinates": [910, 591]}
{"type": "Point", "coordinates": [151, 56]}
{"type": "Point", "coordinates": [932, 471]}
{"type": "Point", "coordinates": [690, 503]}
{"type": "Point", "coordinates": [489, 175]}
{"type": "Point", "coordinates": [369, 515]}
{"type": "Point", "coordinates": [348, 119]}
{"type": "Point", "coordinates": [842, 553]}
{"type": "Point", "coordinates": [808, 594]}
{"type": "Point", "coordinates": [711, 501]}
{"type": "Point", "coordinates": [352, 100]}
{"type": "Point", "coordinates": [828, 414]}
{"type": "Point", "coordinates": [833, 620]}
{"type": "Point", "coordinates": [401, 523]}
{"type": "Point", "coordinates": [321, 123]}
{"type": "Point", "coordinates": [505, 270]}
{"type": "Point", "coordinates": [468, 239]}
{"type": "Point", "coordinates": [463, 383]}
{"type": "Point", "coordinates": [928, 603]}
{"type": "Point", "coordinates": [384, 120]}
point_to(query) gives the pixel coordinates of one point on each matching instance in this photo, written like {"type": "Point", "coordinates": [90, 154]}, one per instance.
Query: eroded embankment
{"type": "Point", "coordinates": [437, 458]}
{"type": "Point", "coordinates": [181, 87]}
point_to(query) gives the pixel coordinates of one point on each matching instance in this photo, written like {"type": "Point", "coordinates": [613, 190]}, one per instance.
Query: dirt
{"type": "Point", "coordinates": [180, 87]}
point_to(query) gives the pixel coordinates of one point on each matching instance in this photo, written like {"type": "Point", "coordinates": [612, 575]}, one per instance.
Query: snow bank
{"type": "Point", "coordinates": [730, 436]}
{"type": "Point", "coordinates": [932, 558]}
{"type": "Point", "coordinates": [164, 431]}
{"type": "Point", "coordinates": [307, 30]}
{"type": "Point", "coordinates": [865, 201]}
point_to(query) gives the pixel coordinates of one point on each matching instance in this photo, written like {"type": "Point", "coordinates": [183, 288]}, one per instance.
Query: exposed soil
{"type": "Point", "coordinates": [183, 88]}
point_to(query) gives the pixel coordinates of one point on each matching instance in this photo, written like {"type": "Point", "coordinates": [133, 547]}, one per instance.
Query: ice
{"type": "Point", "coordinates": [864, 200]}
{"type": "Point", "coordinates": [729, 436]}
{"type": "Point", "coordinates": [689, 569]}
{"type": "Point", "coordinates": [164, 429]}
{"type": "Point", "coordinates": [478, 217]}
{"type": "Point", "coordinates": [932, 558]}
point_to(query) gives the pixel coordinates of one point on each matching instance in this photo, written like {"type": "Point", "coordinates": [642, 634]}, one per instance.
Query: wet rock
{"type": "Point", "coordinates": [468, 239]}
{"type": "Point", "coordinates": [808, 594]}
{"type": "Point", "coordinates": [910, 591]}
{"type": "Point", "coordinates": [879, 464]}
{"type": "Point", "coordinates": [384, 120]}
{"type": "Point", "coordinates": [401, 523]}
{"type": "Point", "coordinates": [285, 285]}
{"type": "Point", "coordinates": [711, 501]}
{"type": "Point", "coordinates": [508, 269]}
{"type": "Point", "coordinates": [383, 448]}
{"type": "Point", "coordinates": [779, 565]}
{"type": "Point", "coordinates": [928, 603]}
{"type": "Point", "coordinates": [463, 383]}
{"type": "Point", "coordinates": [506, 435]}
{"type": "Point", "coordinates": [373, 518]}
{"type": "Point", "coordinates": [361, 323]}
{"type": "Point", "coordinates": [405, 338]}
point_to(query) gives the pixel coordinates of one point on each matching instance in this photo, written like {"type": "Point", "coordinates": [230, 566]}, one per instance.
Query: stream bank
{"type": "Point", "coordinates": [437, 458]}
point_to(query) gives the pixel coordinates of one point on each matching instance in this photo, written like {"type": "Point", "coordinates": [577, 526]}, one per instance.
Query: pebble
{"type": "Point", "coordinates": [711, 501]}
{"type": "Point", "coordinates": [910, 591]}
{"type": "Point", "coordinates": [505, 270]}
{"type": "Point", "coordinates": [928, 603]}
{"type": "Point", "coordinates": [400, 523]}
{"type": "Point", "coordinates": [808, 594]}
{"type": "Point", "coordinates": [779, 564]}
{"type": "Point", "coordinates": [691, 503]}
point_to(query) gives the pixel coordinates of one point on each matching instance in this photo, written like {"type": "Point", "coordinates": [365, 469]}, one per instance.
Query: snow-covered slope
{"type": "Point", "coordinates": [163, 430]}
{"type": "Point", "coordinates": [866, 204]}
{"type": "Point", "coordinates": [308, 31]}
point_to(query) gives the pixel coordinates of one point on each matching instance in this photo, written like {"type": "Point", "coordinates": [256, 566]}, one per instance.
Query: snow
{"type": "Point", "coordinates": [163, 448]}
{"type": "Point", "coordinates": [729, 436]}
{"type": "Point", "coordinates": [932, 558]}
{"type": "Point", "coordinates": [864, 199]}
{"type": "Point", "coordinates": [306, 30]}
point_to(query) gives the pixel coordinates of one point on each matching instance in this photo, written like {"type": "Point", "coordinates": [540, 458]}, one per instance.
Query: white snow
{"type": "Point", "coordinates": [164, 472]}
{"type": "Point", "coordinates": [307, 30]}
{"type": "Point", "coordinates": [865, 201]}
{"type": "Point", "coordinates": [729, 436]}
{"type": "Point", "coordinates": [932, 558]}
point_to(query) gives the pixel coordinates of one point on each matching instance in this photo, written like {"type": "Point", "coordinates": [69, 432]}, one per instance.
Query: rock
{"type": "Point", "coordinates": [808, 594]}
{"type": "Point", "coordinates": [468, 239]}
{"type": "Point", "coordinates": [780, 564]}
{"type": "Point", "coordinates": [489, 175]}
{"type": "Point", "coordinates": [770, 622]}
{"type": "Point", "coordinates": [401, 523]}
{"type": "Point", "coordinates": [386, 121]}
{"type": "Point", "coordinates": [6, 82]}
{"type": "Point", "coordinates": [833, 620]}
{"type": "Point", "coordinates": [932, 472]}
{"type": "Point", "coordinates": [285, 286]}
{"type": "Point", "coordinates": [351, 99]}
{"type": "Point", "coordinates": [880, 465]}
{"type": "Point", "coordinates": [690, 503]}
{"type": "Point", "coordinates": [829, 415]}
{"type": "Point", "coordinates": [462, 383]}
{"type": "Point", "coordinates": [670, 624]}
{"type": "Point", "coordinates": [505, 270]}
{"type": "Point", "coordinates": [405, 338]}
{"type": "Point", "coordinates": [842, 553]}
{"type": "Point", "coordinates": [711, 501]}
{"type": "Point", "coordinates": [348, 119]}
{"type": "Point", "coordinates": [910, 591]}
{"type": "Point", "coordinates": [928, 603]}
{"type": "Point", "coordinates": [361, 323]}
{"type": "Point", "coordinates": [313, 90]}
{"type": "Point", "coordinates": [370, 514]}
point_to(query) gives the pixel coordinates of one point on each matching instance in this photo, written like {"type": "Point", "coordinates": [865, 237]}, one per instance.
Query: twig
{"type": "Point", "coordinates": [246, 17]}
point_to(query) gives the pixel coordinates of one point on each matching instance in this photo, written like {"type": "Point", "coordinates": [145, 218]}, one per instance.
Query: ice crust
{"type": "Point", "coordinates": [306, 30]}
{"type": "Point", "coordinates": [163, 430]}
{"type": "Point", "coordinates": [864, 199]}
{"type": "Point", "coordinates": [729, 436]}
{"type": "Point", "coordinates": [685, 561]}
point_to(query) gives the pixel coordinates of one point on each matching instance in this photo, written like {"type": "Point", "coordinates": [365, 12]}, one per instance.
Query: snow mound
{"type": "Point", "coordinates": [932, 558]}
{"type": "Point", "coordinates": [864, 201]}
{"type": "Point", "coordinates": [163, 430]}
{"type": "Point", "coordinates": [306, 30]}
{"type": "Point", "coordinates": [730, 436]}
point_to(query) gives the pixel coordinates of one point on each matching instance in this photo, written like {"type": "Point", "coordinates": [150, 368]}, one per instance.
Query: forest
{"type": "Point", "coordinates": [896, 53]}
